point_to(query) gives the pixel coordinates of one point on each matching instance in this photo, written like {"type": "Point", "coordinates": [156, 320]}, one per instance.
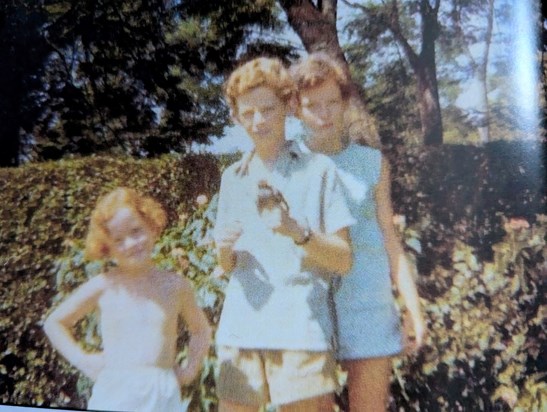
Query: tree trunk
{"type": "Point", "coordinates": [424, 68]}
{"type": "Point", "coordinates": [315, 24]}
{"type": "Point", "coordinates": [484, 126]}
{"type": "Point", "coordinates": [429, 106]}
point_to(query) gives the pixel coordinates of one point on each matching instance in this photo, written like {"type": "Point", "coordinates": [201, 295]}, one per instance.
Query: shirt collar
{"type": "Point", "coordinates": [291, 151]}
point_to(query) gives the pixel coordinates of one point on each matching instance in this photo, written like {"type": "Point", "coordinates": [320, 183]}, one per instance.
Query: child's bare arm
{"type": "Point", "coordinates": [401, 268]}
{"type": "Point", "coordinates": [59, 323]}
{"type": "Point", "coordinates": [200, 334]}
{"type": "Point", "coordinates": [329, 252]}
{"type": "Point", "coordinates": [226, 239]}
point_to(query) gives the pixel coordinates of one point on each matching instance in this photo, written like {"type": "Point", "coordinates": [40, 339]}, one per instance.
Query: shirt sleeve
{"type": "Point", "coordinates": [335, 211]}
{"type": "Point", "coordinates": [223, 208]}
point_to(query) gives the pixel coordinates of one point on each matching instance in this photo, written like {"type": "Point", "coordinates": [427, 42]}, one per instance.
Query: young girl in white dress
{"type": "Point", "coordinates": [139, 307]}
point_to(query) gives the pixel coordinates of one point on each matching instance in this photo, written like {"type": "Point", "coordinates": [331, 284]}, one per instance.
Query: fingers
{"type": "Point", "coordinates": [268, 198]}
{"type": "Point", "coordinates": [413, 334]}
{"type": "Point", "coordinates": [229, 235]}
{"type": "Point", "coordinates": [185, 376]}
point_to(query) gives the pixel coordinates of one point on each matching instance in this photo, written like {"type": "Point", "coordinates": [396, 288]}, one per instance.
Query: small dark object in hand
{"type": "Point", "coordinates": [269, 198]}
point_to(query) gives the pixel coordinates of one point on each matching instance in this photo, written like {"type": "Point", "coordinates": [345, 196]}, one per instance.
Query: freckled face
{"type": "Point", "coordinates": [262, 114]}
{"type": "Point", "coordinates": [322, 110]}
{"type": "Point", "coordinates": [131, 238]}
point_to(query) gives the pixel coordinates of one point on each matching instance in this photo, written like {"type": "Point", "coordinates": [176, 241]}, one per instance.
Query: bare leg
{"type": "Point", "coordinates": [368, 384]}
{"type": "Point", "coordinates": [322, 403]}
{"type": "Point", "coordinates": [229, 406]}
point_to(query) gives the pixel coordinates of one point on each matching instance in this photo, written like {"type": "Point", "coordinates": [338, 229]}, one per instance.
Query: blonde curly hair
{"type": "Point", "coordinates": [317, 68]}
{"type": "Point", "coordinates": [98, 237]}
{"type": "Point", "coordinates": [262, 71]}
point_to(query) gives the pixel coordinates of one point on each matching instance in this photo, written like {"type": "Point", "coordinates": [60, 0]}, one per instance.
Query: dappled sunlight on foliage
{"type": "Point", "coordinates": [485, 330]}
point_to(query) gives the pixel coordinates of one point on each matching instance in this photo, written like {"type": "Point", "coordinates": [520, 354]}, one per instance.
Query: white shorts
{"type": "Point", "coordinates": [257, 377]}
{"type": "Point", "coordinates": [142, 389]}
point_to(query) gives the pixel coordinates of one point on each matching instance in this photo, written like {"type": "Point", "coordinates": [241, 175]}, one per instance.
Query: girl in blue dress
{"type": "Point", "coordinates": [369, 330]}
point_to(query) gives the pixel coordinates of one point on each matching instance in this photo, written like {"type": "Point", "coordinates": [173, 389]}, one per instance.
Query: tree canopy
{"type": "Point", "coordinates": [140, 77]}
{"type": "Point", "coordinates": [145, 77]}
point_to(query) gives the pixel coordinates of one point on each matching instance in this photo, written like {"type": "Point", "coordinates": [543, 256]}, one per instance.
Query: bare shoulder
{"type": "Point", "coordinates": [96, 284]}
{"type": "Point", "coordinates": [173, 281]}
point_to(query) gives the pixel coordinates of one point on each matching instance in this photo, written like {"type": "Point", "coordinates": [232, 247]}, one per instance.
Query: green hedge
{"type": "Point", "coordinates": [461, 193]}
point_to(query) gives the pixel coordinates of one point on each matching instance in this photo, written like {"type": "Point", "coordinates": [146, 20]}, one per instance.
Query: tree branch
{"type": "Point", "coordinates": [395, 27]}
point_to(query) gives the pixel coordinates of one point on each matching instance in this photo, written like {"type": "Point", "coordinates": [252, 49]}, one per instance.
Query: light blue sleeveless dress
{"type": "Point", "coordinates": [368, 323]}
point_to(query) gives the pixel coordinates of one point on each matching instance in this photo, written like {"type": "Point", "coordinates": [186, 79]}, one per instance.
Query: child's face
{"type": "Point", "coordinates": [262, 114]}
{"type": "Point", "coordinates": [322, 110]}
{"type": "Point", "coordinates": [131, 238]}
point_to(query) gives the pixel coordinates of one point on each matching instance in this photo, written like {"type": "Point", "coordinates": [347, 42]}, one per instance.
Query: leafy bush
{"type": "Point", "coordinates": [460, 193]}
{"type": "Point", "coordinates": [485, 329]}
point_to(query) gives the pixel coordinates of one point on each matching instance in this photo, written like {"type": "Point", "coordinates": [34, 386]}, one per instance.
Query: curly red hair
{"type": "Point", "coordinates": [98, 237]}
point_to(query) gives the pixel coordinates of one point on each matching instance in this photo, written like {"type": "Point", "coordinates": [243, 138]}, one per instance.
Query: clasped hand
{"type": "Point", "coordinates": [273, 208]}
{"type": "Point", "coordinates": [185, 375]}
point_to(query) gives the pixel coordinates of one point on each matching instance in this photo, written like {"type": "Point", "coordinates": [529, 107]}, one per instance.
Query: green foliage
{"type": "Point", "coordinates": [188, 247]}
{"type": "Point", "coordinates": [126, 77]}
{"type": "Point", "coordinates": [22, 52]}
{"type": "Point", "coordinates": [459, 39]}
{"type": "Point", "coordinates": [485, 329]}
{"type": "Point", "coordinates": [458, 192]}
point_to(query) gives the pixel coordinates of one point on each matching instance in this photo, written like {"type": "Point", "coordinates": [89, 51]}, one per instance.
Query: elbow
{"type": "Point", "coordinates": [47, 327]}
{"type": "Point", "coordinates": [55, 325]}
{"type": "Point", "coordinates": [50, 325]}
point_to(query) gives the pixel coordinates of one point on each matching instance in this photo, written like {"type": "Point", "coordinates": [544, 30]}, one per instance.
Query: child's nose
{"type": "Point", "coordinates": [258, 119]}
{"type": "Point", "coordinates": [130, 242]}
{"type": "Point", "coordinates": [324, 111]}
